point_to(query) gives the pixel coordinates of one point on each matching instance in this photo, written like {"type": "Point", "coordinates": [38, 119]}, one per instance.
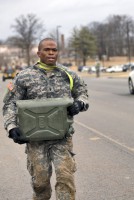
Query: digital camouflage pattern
{"type": "Point", "coordinates": [36, 83]}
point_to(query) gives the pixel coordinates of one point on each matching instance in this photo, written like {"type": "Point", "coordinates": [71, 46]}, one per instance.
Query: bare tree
{"type": "Point", "coordinates": [29, 29]}
{"type": "Point", "coordinates": [98, 30]}
{"type": "Point", "coordinates": [115, 36]}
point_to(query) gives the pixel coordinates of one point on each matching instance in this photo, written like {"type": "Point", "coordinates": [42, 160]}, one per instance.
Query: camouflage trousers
{"type": "Point", "coordinates": [40, 156]}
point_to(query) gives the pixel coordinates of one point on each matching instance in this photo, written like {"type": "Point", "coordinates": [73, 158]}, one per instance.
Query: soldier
{"type": "Point", "coordinates": [97, 69]}
{"type": "Point", "coordinates": [41, 81]}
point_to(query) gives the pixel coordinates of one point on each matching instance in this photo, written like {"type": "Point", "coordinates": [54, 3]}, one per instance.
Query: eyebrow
{"type": "Point", "coordinates": [50, 49]}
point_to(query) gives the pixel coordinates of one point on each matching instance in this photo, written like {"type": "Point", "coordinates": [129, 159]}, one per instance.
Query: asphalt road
{"type": "Point", "coordinates": [103, 143]}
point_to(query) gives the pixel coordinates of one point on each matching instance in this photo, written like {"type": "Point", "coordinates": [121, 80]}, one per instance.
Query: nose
{"type": "Point", "coordinates": [51, 51]}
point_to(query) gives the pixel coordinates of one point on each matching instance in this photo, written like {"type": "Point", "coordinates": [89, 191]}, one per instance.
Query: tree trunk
{"type": "Point", "coordinates": [84, 61]}
{"type": "Point", "coordinates": [28, 56]}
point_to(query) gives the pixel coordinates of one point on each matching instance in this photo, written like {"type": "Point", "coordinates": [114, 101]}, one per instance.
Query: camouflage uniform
{"type": "Point", "coordinates": [36, 83]}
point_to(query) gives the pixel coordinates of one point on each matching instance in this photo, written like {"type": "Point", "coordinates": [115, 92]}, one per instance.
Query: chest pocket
{"type": "Point", "coordinates": [61, 84]}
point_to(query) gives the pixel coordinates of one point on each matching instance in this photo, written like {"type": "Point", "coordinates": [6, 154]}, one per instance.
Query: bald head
{"type": "Point", "coordinates": [45, 39]}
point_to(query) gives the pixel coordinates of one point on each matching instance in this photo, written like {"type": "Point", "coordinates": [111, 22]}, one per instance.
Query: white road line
{"type": "Point", "coordinates": [101, 134]}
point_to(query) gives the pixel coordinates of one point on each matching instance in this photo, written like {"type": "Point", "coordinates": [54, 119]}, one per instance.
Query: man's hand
{"type": "Point", "coordinates": [75, 108]}
{"type": "Point", "coordinates": [15, 134]}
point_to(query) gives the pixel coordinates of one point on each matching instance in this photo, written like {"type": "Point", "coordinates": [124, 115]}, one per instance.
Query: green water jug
{"type": "Point", "coordinates": [45, 119]}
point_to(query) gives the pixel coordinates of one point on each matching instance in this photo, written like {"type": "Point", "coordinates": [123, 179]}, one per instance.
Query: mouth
{"type": "Point", "coordinates": [51, 59]}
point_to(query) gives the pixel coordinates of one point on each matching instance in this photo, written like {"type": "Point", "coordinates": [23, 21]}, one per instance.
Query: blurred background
{"type": "Point", "coordinates": [89, 34]}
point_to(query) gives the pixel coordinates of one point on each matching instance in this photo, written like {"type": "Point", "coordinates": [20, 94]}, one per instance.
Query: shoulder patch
{"type": "Point", "coordinates": [10, 86]}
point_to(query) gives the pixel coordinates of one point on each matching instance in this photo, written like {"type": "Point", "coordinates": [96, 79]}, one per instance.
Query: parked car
{"type": "Point", "coordinates": [117, 68]}
{"type": "Point", "coordinates": [110, 69]}
{"type": "Point", "coordinates": [125, 68]}
{"type": "Point", "coordinates": [131, 82]}
{"type": "Point", "coordinates": [8, 73]}
{"type": "Point", "coordinates": [83, 68]}
{"type": "Point", "coordinates": [92, 69]}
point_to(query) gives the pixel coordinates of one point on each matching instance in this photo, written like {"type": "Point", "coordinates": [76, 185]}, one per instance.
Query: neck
{"type": "Point", "coordinates": [45, 66]}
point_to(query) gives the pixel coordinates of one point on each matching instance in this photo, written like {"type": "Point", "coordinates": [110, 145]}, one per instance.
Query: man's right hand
{"type": "Point", "coordinates": [15, 134]}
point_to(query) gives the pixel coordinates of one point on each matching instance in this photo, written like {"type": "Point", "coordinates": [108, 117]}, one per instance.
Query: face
{"type": "Point", "coordinates": [48, 52]}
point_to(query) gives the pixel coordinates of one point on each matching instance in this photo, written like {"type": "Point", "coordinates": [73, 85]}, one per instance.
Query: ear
{"type": "Point", "coordinates": [38, 53]}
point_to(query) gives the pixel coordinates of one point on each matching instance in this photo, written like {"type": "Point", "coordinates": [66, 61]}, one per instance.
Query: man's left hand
{"type": "Point", "coordinates": [75, 108]}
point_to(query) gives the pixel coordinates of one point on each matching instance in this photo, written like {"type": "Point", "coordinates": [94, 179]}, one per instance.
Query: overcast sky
{"type": "Point", "coordinates": [68, 14]}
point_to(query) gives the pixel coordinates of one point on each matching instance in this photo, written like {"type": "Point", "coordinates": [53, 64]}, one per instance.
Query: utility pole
{"type": "Point", "coordinates": [128, 42]}
{"type": "Point", "coordinates": [58, 45]}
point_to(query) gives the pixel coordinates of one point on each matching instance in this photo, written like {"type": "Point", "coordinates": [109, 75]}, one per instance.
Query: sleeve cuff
{"type": "Point", "coordinates": [11, 126]}
{"type": "Point", "coordinates": [85, 104]}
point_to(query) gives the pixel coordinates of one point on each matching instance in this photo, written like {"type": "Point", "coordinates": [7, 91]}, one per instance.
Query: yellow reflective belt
{"type": "Point", "coordinates": [69, 76]}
